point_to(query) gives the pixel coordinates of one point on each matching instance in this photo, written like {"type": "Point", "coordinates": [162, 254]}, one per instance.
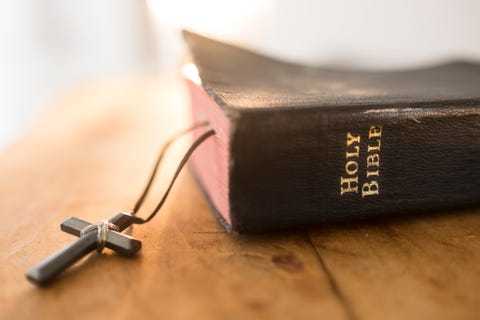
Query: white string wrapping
{"type": "Point", "coordinates": [102, 228]}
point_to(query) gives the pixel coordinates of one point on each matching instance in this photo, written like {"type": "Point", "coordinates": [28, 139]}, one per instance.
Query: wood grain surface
{"type": "Point", "coordinates": [89, 156]}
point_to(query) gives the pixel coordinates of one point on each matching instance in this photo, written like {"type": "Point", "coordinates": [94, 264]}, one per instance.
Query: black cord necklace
{"type": "Point", "coordinates": [107, 232]}
{"type": "Point", "coordinates": [180, 166]}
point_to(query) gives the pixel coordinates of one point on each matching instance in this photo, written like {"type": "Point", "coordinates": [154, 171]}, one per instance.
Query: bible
{"type": "Point", "coordinates": [297, 146]}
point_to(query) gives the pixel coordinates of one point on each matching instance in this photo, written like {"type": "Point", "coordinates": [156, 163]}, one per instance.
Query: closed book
{"type": "Point", "coordinates": [297, 146]}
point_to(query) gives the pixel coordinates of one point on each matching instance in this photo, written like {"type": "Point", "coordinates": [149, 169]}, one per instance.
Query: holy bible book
{"type": "Point", "coordinates": [298, 146]}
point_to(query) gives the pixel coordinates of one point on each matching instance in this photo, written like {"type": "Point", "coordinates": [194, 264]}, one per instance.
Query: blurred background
{"type": "Point", "coordinates": [50, 46]}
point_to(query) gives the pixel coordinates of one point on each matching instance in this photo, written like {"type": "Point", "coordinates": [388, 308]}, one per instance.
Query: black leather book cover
{"type": "Point", "coordinates": [308, 145]}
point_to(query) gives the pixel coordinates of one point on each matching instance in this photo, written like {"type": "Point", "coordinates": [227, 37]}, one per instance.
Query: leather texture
{"type": "Point", "coordinates": [288, 137]}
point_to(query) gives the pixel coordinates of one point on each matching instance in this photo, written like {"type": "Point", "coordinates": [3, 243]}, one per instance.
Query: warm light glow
{"type": "Point", "coordinates": [190, 71]}
{"type": "Point", "coordinates": [214, 17]}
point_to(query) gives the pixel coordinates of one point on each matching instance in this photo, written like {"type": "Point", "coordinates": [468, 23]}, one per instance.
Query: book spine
{"type": "Point", "coordinates": [302, 167]}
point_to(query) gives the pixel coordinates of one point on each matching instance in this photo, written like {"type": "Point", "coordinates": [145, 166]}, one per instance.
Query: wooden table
{"type": "Point", "coordinates": [89, 156]}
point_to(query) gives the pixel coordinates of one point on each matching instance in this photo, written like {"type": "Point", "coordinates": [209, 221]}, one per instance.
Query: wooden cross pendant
{"type": "Point", "coordinates": [107, 233]}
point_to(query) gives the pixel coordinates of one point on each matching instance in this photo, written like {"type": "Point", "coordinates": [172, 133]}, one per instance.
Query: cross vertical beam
{"type": "Point", "coordinates": [47, 270]}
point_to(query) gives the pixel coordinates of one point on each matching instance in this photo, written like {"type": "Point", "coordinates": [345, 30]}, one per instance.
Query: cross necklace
{"type": "Point", "coordinates": [108, 233]}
